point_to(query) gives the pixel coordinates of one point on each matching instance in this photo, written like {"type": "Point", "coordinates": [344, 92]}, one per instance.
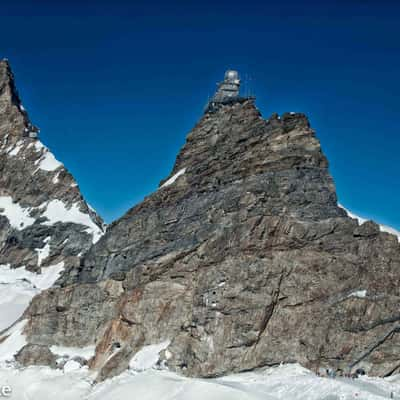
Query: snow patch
{"type": "Point", "coordinates": [388, 229]}
{"type": "Point", "coordinates": [16, 149]}
{"type": "Point", "coordinates": [19, 217]}
{"type": "Point", "coordinates": [148, 356]}
{"type": "Point", "coordinates": [14, 299]}
{"type": "Point", "coordinates": [14, 342]}
{"type": "Point", "coordinates": [48, 277]}
{"type": "Point", "coordinates": [56, 211]}
{"type": "Point", "coordinates": [361, 294]}
{"type": "Point", "coordinates": [48, 162]}
{"type": "Point", "coordinates": [85, 352]}
{"type": "Point", "coordinates": [91, 208]}
{"type": "Point", "coordinates": [44, 252]}
{"type": "Point", "coordinates": [5, 140]}
{"type": "Point", "coordinates": [71, 366]}
{"type": "Point", "coordinates": [39, 146]}
{"type": "Point", "coordinates": [55, 179]}
{"type": "Point", "coordinates": [17, 288]}
{"type": "Point", "coordinates": [41, 281]}
{"type": "Point", "coordinates": [171, 180]}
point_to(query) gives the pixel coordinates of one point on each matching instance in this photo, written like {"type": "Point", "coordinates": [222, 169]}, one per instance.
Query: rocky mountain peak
{"type": "Point", "coordinates": [224, 136]}
{"type": "Point", "coordinates": [242, 258]}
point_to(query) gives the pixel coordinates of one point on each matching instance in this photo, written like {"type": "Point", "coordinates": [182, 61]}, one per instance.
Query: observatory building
{"type": "Point", "coordinates": [228, 88]}
{"type": "Point", "coordinates": [227, 92]}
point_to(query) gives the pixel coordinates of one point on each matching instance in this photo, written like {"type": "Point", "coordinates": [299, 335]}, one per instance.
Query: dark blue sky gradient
{"type": "Point", "coordinates": [116, 86]}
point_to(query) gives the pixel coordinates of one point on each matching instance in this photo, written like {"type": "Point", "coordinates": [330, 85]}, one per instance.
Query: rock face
{"type": "Point", "coordinates": [241, 259]}
{"type": "Point", "coordinates": [44, 220]}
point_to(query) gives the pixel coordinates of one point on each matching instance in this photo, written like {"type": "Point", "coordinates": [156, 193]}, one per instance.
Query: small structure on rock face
{"type": "Point", "coordinates": [31, 132]}
{"type": "Point", "coordinates": [227, 93]}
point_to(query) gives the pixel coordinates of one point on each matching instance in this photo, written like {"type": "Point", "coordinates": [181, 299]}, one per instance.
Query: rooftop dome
{"type": "Point", "coordinates": [231, 75]}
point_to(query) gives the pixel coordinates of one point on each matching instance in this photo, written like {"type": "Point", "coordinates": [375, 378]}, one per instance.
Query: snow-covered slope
{"type": "Point", "coordinates": [17, 288]}
{"type": "Point", "coordinates": [288, 382]}
{"type": "Point", "coordinates": [45, 171]}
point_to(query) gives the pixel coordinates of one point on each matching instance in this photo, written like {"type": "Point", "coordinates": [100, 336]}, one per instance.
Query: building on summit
{"type": "Point", "coordinates": [228, 91]}
{"type": "Point", "coordinates": [229, 87]}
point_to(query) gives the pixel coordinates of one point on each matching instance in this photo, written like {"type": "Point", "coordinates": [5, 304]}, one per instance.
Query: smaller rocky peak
{"type": "Point", "coordinates": [14, 119]}
{"type": "Point", "coordinates": [6, 75]}
{"type": "Point", "coordinates": [43, 215]}
{"type": "Point", "coordinates": [294, 120]}
{"type": "Point", "coordinates": [7, 83]}
{"type": "Point", "coordinates": [367, 229]}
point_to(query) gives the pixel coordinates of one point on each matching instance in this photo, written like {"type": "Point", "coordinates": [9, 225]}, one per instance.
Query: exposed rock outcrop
{"type": "Point", "coordinates": [241, 259]}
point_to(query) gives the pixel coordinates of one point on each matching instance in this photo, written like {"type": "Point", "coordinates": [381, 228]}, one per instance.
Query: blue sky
{"type": "Point", "coordinates": [115, 86]}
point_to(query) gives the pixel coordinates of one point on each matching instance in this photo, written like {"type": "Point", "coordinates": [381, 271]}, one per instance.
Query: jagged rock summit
{"type": "Point", "coordinates": [241, 259]}
{"type": "Point", "coordinates": [45, 224]}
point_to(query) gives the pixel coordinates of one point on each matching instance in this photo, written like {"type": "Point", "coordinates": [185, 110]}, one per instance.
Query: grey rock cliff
{"type": "Point", "coordinates": [44, 219]}
{"type": "Point", "coordinates": [241, 259]}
